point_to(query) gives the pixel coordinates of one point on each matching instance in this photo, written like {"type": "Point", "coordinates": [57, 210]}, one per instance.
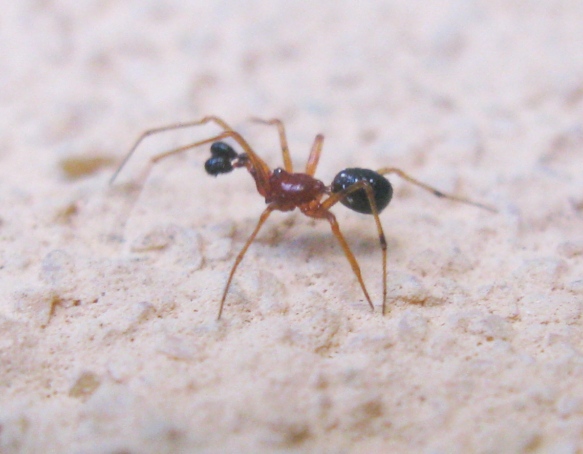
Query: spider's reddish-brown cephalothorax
{"type": "Point", "coordinates": [362, 190]}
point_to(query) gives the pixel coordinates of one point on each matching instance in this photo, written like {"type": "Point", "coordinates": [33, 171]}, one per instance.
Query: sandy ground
{"type": "Point", "coordinates": [108, 337]}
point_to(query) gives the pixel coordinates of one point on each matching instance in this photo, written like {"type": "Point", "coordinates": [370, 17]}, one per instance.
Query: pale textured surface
{"type": "Point", "coordinates": [108, 341]}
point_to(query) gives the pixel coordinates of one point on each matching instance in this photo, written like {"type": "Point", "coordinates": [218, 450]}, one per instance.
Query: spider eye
{"type": "Point", "coordinates": [358, 200]}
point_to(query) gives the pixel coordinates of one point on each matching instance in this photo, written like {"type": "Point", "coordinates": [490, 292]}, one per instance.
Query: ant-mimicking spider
{"type": "Point", "coordinates": [362, 190]}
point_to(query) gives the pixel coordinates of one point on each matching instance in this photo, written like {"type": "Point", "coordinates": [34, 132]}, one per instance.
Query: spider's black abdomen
{"type": "Point", "coordinates": [358, 200]}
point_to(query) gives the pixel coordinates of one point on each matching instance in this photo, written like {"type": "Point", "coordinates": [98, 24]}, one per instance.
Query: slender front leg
{"type": "Point", "coordinates": [170, 127]}
{"type": "Point", "coordinates": [337, 197]}
{"type": "Point", "coordinates": [434, 191]}
{"type": "Point", "coordinates": [287, 162]}
{"type": "Point", "coordinates": [261, 170]}
{"type": "Point", "coordinates": [349, 255]}
{"type": "Point", "coordinates": [239, 258]}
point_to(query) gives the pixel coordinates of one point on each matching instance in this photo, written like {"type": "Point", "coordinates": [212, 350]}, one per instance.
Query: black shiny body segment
{"type": "Point", "coordinates": [221, 160]}
{"type": "Point", "coordinates": [216, 165]}
{"type": "Point", "coordinates": [224, 150]}
{"type": "Point", "coordinates": [358, 200]}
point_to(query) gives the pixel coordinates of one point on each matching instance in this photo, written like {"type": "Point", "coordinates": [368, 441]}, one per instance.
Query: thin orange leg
{"type": "Point", "coordinates": [261, 169]}
{"type": "Point", "coordinates": [239, 258]}
{"type": "Point", "coordinates": [260, 166]}
{"type": "Point", "coordinates": [434, 191]}
{"type": "Point", "coordinates": [287, 162]}
{"type": "Point", "coordinates": [337, 197]}
{"type": "Point", "coordinates": [170, 127]}
{"type": "Point", "coordinates": [349, 255]}
{"type": "Point", "coordinates": [315, 155]}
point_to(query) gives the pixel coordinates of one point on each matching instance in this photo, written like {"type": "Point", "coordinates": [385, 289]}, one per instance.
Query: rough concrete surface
{"type": "Point", "coordinates": [108, 296]}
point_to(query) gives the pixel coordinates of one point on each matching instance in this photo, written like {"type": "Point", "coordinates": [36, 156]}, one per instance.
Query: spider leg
{"type": "Point", "coordinates": [239, 258]}
{"type": "Point", "coordinates": [315, 155]}
{"type": "Point", "coordinates": [261, 171]}
{"type": "Point", "coordinates": [434, 191]}
{"type": "Point", "coordinates": [255, 165]}
{"type": "Point", "coordinates": [348, 253]}
{"type": "Point", "coordinates": [287, 162]}
{"type": "Point", "coordinates": [258, 164]}
{"type": "Point", "coordinates": [337, 197]}
{"type": "Point", "coordinates": [170, 127]}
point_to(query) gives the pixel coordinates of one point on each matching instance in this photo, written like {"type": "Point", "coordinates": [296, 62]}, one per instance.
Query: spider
{"type": "Point", "coordinates": [362, 190]}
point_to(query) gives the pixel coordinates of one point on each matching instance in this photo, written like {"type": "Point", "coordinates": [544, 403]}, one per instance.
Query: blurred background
{"type": "Point", "coordinates": [483, 98]}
